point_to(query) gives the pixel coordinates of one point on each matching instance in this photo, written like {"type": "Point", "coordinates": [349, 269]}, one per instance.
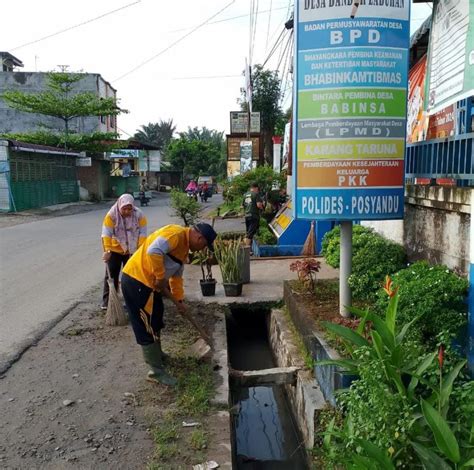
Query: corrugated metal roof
{"type": "Point", "coordinates": [421, 31]}
{"type": "Point", "coordinates": [35, 148]}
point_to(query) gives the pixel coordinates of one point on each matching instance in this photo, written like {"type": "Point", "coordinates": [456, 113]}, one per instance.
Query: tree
{"type": "Point", "coordinates": [158, 134]}
{"type": "Point", "coordinates": [184, 207]}
{"type": "Point", "coordinates": [62, 101]}
{"type": "Point", "coordinates": [198, 152]}
{"type": "Point", "coordinates": [266, 93]}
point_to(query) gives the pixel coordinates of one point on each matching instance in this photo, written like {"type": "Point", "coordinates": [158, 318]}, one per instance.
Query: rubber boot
{"type": "Point", "coordinates": [153, 357]}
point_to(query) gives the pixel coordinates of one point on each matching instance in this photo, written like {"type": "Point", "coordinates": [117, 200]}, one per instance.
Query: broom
{"type": "Point", "coordinates": [309, 247]}
{"type": "Point", "coordinates": [115, 315]}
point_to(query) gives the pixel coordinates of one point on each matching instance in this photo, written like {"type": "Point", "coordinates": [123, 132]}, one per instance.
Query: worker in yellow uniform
{"type": "Point", "coordinates": [156, 270]}
{"type": "Point", "coordinates": [124, 229]}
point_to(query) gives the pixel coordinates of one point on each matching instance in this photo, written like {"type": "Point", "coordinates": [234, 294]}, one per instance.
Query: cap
{"type": "Point", "coordinates": [208, 233]}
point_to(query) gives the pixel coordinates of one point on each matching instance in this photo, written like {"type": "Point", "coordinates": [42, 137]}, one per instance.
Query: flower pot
{"type": "Point", "coordinates": [233, 289]}
{"type": "Point", "coordinates": [208, 288]}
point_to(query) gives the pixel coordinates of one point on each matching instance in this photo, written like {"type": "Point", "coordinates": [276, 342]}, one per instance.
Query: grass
{"type": "Point", "coordinates": [195, 386]}
{"type": "Point", "coordinates": [226, 207]}
{"type": "Point", "coordinates": [165, 438]}
{"type": "Point", "coordinates": [193, 399]}
{"type": "Point", "coordinates": [309, 362]}
{"type": "Point", "coordinates": [198, 439]}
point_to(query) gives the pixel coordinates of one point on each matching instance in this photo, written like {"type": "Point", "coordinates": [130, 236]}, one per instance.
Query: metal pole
{"type": "Point", "coordinates": [345, 295]}
{"type": "Point", "coordinates": [470, 333]}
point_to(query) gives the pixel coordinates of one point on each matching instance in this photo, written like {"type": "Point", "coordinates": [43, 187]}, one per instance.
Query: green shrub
{"type": "Point", "coordinates": [184, 207]}
{"type": "Point", "coordinates": [377, 413]}
{"type": "Point", "coordinates": [330, 247]}
{"type": "Point", "coordinates": [433, 293]}
{"type": "Point", "coordinates": [265, 236]}
{"type": "Point", "coordinates": [373, 259]}
{"type": "Point", "coordinates": [264, 176]}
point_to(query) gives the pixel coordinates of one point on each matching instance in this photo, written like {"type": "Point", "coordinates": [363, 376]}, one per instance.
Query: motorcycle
{"type": "Point", "coordinates": [205, 195]}
{"type": "Point", "coordinates": [193, 194]}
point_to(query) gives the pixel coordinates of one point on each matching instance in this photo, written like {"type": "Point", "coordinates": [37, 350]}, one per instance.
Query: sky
{"type": "Point", "coordinates": [195, 82]}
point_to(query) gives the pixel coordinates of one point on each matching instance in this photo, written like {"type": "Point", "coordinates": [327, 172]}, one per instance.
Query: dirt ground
{"type": "Point", "coordinates": [323, 304]}
{"type": "Point", "coordinates": [79, 399]}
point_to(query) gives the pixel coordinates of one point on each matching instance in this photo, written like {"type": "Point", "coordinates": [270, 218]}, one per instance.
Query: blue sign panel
{"type": "Point", "coordinates": [350, 108]}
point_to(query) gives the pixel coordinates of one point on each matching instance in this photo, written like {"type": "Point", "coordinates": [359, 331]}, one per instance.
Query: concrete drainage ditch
{"type": "Point", "coordinates": [272, 398]}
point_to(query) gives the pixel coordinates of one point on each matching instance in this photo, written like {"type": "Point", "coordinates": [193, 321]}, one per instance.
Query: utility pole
{"type": "Point", "coordinates": [345, 294]}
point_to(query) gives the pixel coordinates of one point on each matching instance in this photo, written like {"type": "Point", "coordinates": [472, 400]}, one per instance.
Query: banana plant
{"type": "Point", "coordinates": [383, 342]}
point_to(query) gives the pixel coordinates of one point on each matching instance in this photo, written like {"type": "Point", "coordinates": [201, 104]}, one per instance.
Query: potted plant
{"type": "Point", "coordinates": [228, 254]}
{"type": "Point", "coordinates": [208, 283]}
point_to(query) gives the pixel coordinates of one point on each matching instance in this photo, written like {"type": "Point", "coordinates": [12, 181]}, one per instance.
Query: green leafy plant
{"type": "Point", "coordinates": [204, 259]}
{"type": "Point", "coordinates": [373, 257]}
{"type": "Point", "coordinates": [264, 176]}
{"type": "Point", "coordinates": [331, 244]}
{"type": "Point", "coordinates": [392, 410]}
{"type": "Point", "coordinates": [265, 236]}
{"type": "Point", "coordinates": [228, 254]}
{"type": "Point", "coordinates": [432, 294]}
{"type": "Point", "coordinates": [185, 207]}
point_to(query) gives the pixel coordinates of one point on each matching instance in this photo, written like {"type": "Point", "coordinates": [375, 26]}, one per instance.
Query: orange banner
{"type": "Point", "coordinates": [346, 174]}
{"type": "Point", "coordinates": [417, 119]}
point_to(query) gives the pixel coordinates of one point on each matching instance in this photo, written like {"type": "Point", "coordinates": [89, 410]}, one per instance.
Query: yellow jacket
{"type": "Point", "coordinates": [110, 243]}
{"type": "Point", "coordinates": [154, 259]}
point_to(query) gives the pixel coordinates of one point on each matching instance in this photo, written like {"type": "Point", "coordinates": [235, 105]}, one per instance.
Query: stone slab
{"type": "Point", "coordinates": [273, 376]}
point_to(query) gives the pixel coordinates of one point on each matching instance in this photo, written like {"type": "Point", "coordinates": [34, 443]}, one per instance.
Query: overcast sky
{"type": "Point", "coordinates": [163, 88]}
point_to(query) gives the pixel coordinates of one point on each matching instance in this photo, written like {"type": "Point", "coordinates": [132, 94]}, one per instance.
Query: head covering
{"type": "Point", "coordinates": [126, 229]}
{"type": "Point", "coordinates": [125, 200]}
{"type": "Point", "coordinates": [208, 233]}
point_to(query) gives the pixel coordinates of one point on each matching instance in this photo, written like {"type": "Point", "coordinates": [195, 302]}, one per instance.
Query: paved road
{"type": "Point", "coordinates": [47, 265]}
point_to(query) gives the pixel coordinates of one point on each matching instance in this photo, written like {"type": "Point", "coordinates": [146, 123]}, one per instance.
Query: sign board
{"type": "Point", "coordinates": [417, 118]}
{"type": "Point", "coordinates": [239, 120]}
{"type": "Point", "coordinates": [233, 147]}
{"type": "Point", "coordinates": [451, 54]}
{"type": "Point", "coordinates": [155, 160]}
{"type": "Point", "coordinates": [83, 161]}
{"type": "Point", "coordinates": [245, 156]}
{"type": "Point", "coordinates": [125, 153]}
{"type": "Point", "coordinates": [350, 109]}
{"type": "Point", "coordinates": [442, 124]}
{"type": "Point", "coordinates": [233, 168]}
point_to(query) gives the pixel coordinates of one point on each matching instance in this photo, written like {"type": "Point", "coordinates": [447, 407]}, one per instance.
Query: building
{"type": "Point", "coordinates": [14, 121]}
{"type": "Point", "coordinates": [9, 62]}
{"type": "Point", "coordinates": [33, 176]}
{"type": "Point", "coordinates": [93, 173]}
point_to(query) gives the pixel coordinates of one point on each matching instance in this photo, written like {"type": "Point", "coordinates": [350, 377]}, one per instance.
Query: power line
{"type": "Point", "coordinates": [254, 29]}
{"type": "Point", "coordinates": [174, 43]}
{"type": "Point", "coordinates": [268, 26]}
{"type": "Point", "coordinates": [228, 19]}
{"type": "Point", "coordinates": [206, 77]}
{"type": "Point", "coordinates": [75, 26]}
{"type": "Point", "coordinates": [275, 47]}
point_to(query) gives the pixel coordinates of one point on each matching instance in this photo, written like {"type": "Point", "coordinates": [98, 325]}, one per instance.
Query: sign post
{"type": "Point", "coordinates": [350, 114]}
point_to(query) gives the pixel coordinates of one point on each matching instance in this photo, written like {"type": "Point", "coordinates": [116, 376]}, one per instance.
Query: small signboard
{"type": "Point", "coordinates": [125, 153]}
{"type": "Point", "coordinates": [239, 120]}
{"type": "Point", "coordinates": [233, 147]}
{"type": "Point", "coordinates": [442, 124]}
{"type": "Point", "coordinates": [350, 109]}
{"type": "Point", "coordinates": [245, 156]}
{"type": "Point", "coordinates": [83, 161]}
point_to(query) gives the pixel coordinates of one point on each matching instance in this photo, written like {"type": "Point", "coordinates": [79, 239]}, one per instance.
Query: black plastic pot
{"type": "Point", "coordinates": [208, 288]}
{"type": "Point", "coordinates": [233, 289]}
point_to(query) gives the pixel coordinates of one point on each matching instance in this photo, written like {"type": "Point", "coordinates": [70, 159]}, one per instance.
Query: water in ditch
{"type": "Point", "coordinates": [265, 434]}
